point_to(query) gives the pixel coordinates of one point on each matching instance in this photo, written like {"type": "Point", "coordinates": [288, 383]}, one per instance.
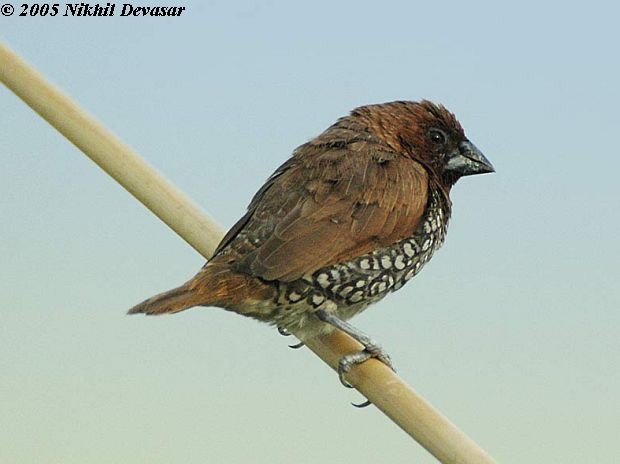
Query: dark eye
{"type": "Point", "coordinates": [437, 136]}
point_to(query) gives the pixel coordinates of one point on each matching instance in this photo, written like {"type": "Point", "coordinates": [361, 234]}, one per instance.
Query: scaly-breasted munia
{"type": "Point", "coordinates": [353, 215]}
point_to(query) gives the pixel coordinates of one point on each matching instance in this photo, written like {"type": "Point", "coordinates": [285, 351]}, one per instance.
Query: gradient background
{"type": "Point", "coordinates": [511, 331]}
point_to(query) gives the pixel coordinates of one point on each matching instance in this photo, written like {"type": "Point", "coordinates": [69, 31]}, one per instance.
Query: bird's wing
{"type": "Point", "coordinates": [327, 206]}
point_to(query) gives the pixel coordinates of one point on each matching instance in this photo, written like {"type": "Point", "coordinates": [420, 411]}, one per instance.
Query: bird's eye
{"type": "Point", "coordinates": [437, 136]}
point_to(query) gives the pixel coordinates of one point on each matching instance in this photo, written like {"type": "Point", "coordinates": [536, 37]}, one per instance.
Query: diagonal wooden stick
{"type": "Point", "coordinates": [373, 379]}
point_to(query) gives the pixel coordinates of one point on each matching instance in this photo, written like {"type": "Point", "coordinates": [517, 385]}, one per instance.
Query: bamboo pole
{"type": "Point", "coordinates": [373, 379]}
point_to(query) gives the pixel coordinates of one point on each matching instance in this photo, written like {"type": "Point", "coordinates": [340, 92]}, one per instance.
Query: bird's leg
{"type": "Point", "coordinates": [371, 348]}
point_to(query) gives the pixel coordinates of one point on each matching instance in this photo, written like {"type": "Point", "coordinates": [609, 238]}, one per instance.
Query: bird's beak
{"type": "Point", "coordinates": [468, 160]}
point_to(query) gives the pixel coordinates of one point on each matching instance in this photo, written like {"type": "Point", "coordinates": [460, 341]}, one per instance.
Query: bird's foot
{"type": "Point", "coordinates": [371, 350]}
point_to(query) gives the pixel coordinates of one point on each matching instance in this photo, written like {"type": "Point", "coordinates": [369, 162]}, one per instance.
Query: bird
{"type": "Point", "coordinates": [351, 216]}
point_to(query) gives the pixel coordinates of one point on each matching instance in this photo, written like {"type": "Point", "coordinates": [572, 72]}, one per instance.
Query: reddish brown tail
{"type": "Point", "coordinates": [214, 285]}
{"type": "Point", "coordinates": [172, 301]}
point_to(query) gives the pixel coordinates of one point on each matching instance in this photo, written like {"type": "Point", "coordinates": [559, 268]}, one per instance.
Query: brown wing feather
{"type": "Point", "coordinates": [327, 205]}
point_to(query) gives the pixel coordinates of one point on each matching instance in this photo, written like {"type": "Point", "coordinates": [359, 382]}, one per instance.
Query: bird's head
{"type": "Point", "coordinates": [429, 134]}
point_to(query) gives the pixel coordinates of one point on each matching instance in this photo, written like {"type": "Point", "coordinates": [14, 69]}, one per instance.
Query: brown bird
{"type": "Point", "coordinates": [353, 215]}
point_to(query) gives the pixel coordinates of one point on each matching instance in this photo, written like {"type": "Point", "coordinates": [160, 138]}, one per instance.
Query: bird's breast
{"type": "Point", "coordinates": [353, 285]}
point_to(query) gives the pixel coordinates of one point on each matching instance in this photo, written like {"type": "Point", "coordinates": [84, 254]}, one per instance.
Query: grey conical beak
{"type": "Point", "coordinates": [468, 160]}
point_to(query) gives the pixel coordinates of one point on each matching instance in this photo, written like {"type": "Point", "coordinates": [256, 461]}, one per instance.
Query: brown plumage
{"type": "Point", "coordinates": [352, 215]}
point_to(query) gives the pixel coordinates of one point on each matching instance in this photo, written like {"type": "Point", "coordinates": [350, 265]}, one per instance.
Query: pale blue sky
{"type": "Point", "coordinates": [511, 331]}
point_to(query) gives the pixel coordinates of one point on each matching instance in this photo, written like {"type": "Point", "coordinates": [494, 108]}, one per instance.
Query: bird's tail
{"type": "Point", "coordinates": [214, 285]}
{"type": "Point", "coordinates": [172, 301]}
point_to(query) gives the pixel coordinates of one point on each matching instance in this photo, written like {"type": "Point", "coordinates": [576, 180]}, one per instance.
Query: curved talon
{"type": "Point", "coordinates": [344, 382]}
{"type": "Point", "coordinates": [284, 332]}
{"type": "Point", "coordinates": [296, 346]}
{"type": "Point", "coordinates": [362, 405]}
{"type": "Point", "coordinates": [343, 368]}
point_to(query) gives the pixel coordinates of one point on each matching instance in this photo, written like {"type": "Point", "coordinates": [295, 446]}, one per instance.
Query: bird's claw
{"type": "Point", "coordinates": [362, 405]}
{"type": "Point", "coordinates": [371, 350]}
{"type": "Point", "coordinates": [347, 362]}
{"type": "Point", "coordinates": [296, 346]}
{"type": "Point", "coordinates": [284, 332]}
